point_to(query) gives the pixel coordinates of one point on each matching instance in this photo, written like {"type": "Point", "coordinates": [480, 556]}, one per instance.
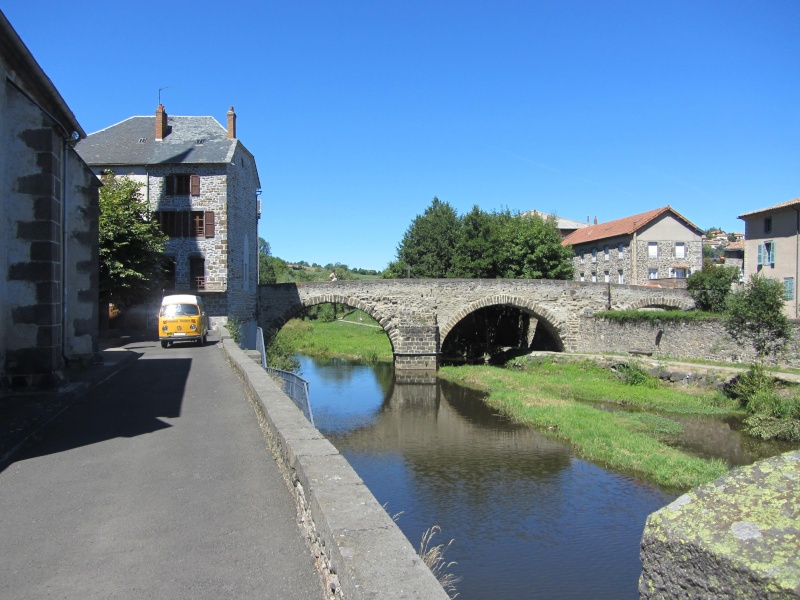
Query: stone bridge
{"type": "Point", "coordinates": [418, 314]}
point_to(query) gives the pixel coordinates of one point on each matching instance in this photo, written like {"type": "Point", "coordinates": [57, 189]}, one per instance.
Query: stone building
{"type": "Point", "coordinates": [48, 254]}
{"type": "Point", "coordinates": [658, 247]}
{"type": "Point", "coordinates": [202, 185]}
{"type": "Point", "coordinates": [772, 247]}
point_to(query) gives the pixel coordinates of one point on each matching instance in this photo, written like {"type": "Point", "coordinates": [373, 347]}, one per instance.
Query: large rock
{"type": "Point", "coordinates": [737, 537]}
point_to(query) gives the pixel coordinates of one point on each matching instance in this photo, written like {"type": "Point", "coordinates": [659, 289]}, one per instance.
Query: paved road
{"type": "Point", "coordinates": [156, 484]}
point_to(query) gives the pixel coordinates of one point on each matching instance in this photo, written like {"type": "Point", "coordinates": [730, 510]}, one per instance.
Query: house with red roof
{"type": "Point", "coordinates": [657, 247]}
{"type": "Point", "coordinates": [772, 247]}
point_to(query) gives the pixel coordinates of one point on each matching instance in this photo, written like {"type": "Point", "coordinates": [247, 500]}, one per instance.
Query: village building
{"type": "Point", "coordinates": [565, 226]}
{"type": "Point", "coordinates": [202, 186]}
{"type": "Point", "coordinates": [772, 247]}
{"type": "Point", "coordinates": [49, 201]}
{"type": "Point", "coordinates": [657, 247]}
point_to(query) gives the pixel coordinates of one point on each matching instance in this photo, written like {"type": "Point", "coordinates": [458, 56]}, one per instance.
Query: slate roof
{"type": "Point", "coordinates": [620, 227]}
{"type": "Point", "coordinates": [561, 222]}
{"type": "Point", "coordinates": [787, 204]}
{"type": "Point", "coordinates": [122, 144]}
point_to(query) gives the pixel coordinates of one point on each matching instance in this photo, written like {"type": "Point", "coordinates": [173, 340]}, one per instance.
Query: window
{"type": "Point", "coordinates": [620, 276]}
{"type": "Point", "coordinates": [680, 250]}
{"type": "Point", "coordinates": [766, 254]}
{"type": "Point", "coordinates": [186, 223]}
{"type": "Point", "coordinates": [680, 273]}
{"type": "Point", "coordinates": [767, 224]}
{"type": "Point", "coordinates": [180, 184]}
{"type": "Point", "coordinates": [606, 278]}
{"type": "Point", "coordinates": [594, 277]}
{"type": "Point", "coordinates": [620, 250]}
{"type": "Point", "coordinates": [594, 254]}
{"type": "Point", "coordinates": [606, 253]}
{"type": "Point", "coordinates": [652, 249]}
{"type": "Point", "coordinates": [197, 272]}
{"type": "Point", "coordinates": [582, 258]}
{"type": "Point", "coordinates": [652, 273]}
{"type": "Point", "coordinates": [582, 277]}
{"type": "Point", "coordinates": [788, 288]}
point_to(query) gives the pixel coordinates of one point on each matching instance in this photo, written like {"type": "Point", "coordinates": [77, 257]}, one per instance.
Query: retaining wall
{"type": "Point", "coordinates": [359, 548]}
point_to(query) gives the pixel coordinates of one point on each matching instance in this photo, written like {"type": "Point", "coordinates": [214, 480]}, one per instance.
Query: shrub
{"type": "Point", "coordinates": [633, 374]}
{"type": "Point", "coordinates": [746, 386]}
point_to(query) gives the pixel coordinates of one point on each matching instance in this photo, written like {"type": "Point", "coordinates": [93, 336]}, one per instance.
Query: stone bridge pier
{"type": "Point", "coordinates": [418, 314]}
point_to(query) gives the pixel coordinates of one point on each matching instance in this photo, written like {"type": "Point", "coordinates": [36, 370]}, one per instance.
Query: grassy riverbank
{"type": "Point", "coordinates": [561, 400]}
{"type": "Point", "coordinates": [355, 336]}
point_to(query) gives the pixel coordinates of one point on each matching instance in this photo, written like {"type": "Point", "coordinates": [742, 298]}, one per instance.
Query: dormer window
{"type": "Point", "coordinates": [142, 140]}
{"type": "Point", "coordinates": [200, 142]}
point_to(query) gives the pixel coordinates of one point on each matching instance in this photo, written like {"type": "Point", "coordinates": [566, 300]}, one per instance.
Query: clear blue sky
{"type": "Point", "coordinates": [360, 112]}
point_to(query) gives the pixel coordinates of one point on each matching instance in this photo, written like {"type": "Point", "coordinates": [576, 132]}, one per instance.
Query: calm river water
{"type": "Point", "coordinates": [528, 519]}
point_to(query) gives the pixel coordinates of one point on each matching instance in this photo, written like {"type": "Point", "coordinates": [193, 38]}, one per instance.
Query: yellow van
{"type": "Point", "coordinates": [182, 318]}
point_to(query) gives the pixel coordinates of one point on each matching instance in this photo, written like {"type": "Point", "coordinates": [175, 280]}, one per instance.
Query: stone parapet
{"type": "Point", "coordinates": [737, 537]}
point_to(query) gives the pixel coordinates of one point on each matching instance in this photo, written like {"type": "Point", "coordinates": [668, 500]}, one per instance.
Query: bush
{"type": "Point", "coordinates": [633, 374]}
{"type": "Point", "coordinates": [710, 287]}
{"type": "Point", "coordinates": [766, 427]}
{"type": "Point", "coordinates": [750, 384]}
{"type": "Point", "coordinates": [280, 354]}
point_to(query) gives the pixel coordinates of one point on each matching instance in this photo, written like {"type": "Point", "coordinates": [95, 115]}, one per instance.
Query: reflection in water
{"type": "Point", "coordinates": [528, 519]}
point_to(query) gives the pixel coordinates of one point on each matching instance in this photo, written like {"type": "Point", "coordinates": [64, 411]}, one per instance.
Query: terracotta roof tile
{"type": "Point", "coordinates": [776, 207]}
{"type": "Point", "coordinates": [624, 226]}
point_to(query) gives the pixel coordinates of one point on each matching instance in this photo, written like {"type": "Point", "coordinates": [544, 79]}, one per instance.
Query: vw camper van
{"type": "Point", "coordinates": [182, 318]}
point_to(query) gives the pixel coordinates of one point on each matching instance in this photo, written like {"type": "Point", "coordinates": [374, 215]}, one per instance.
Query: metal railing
{"type": "Point", "coordinates": [290, 383]}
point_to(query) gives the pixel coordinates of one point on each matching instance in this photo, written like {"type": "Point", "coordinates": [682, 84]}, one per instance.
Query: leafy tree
{"type": "Point", "coordinates": [755, 315]}
{"type": "Point", "coordinates": [264, 247]}
{"type": "Point", "coordinates": [475, 252]}
{"type": "Point", "coordinates": [711, 286]}
{"type": "Point", "coordinates": [531, 249]}
{"type": "Point", "coordinates": [131, 244]}
{"type": "Point", "coordinates": [427, 246]}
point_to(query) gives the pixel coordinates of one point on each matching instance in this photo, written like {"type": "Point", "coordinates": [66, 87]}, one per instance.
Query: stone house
{"type": "Point", "coordinates": [202, 185]}
{"type": "Point", "coordinates": [772, 247]}
{"type": "Point", "coordinates": [565, 226]}
{"type": "Point", "coordinates": [657, 247]}
{"type": "Point", "coordinates": [49, 254]}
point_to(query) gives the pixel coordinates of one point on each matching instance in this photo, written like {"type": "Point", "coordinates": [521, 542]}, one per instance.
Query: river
{"type": "Point", "coordinates": [527, 518]}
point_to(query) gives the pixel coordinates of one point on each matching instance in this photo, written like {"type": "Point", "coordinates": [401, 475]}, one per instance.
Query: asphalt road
{"type": "Point", "coordinates": [156, 484]}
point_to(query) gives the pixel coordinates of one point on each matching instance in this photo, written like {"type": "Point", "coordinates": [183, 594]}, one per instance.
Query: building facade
{"type": "Point", "coordinates": [658, 247]}
{"type": "Point", "coordinates": [49, 202]}
{"type": "Point", "coordinates": [202, 186]}
{"type": "Point", "coordinates": [772, 248]}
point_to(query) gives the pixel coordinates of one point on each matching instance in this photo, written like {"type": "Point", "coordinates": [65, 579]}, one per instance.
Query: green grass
{"type": "Point", "coordinates": [557, 399]}
{"type": "Point", "coordinates": [358, 336]}
{"type": "Point", "coordinates": [654, 316]}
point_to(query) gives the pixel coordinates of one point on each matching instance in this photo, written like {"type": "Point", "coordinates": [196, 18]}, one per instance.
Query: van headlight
{"type": "Point", "coordinates": [164, 328]}
{"type": "Point", "coordinates": [193, 327]}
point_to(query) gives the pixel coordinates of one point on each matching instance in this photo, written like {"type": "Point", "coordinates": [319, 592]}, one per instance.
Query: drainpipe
{"type": "Point", "coordinates": [64, 254]}
{"type": "Point", "coordinates": [634, 254]}
{"type": "Point", "coordinates": [796, 258]}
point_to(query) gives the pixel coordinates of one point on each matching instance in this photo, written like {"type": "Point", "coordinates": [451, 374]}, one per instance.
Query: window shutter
{"type": "Point", "coordinates": [760, 260]}
{"type": "Point", "coordinates": [194, 185]}
{"type": "Point", "coordinates": [209, 222]}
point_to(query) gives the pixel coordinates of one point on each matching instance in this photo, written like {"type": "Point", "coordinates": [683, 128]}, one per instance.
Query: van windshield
{"type": "Point", "coordinates": [175, 310]}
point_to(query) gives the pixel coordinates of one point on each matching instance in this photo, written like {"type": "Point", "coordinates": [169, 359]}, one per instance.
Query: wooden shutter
{"type": "Point", "coordinates": [194, 185]}
{"type": "Point", "coordinates": [209, 224]}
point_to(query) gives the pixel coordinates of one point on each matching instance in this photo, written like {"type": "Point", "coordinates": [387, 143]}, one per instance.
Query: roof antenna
{"type": "Point", "coordinates": [159, 93]}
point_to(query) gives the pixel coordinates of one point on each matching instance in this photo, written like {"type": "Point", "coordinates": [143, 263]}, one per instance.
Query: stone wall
{"type": "Point", "coordinates": [706, 339]}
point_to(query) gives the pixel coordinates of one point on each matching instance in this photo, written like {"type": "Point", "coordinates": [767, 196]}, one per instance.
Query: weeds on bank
{"type": "Point", "coordinates": [774, 413]}
{"type": "Point", "coordinates": [433, 557]}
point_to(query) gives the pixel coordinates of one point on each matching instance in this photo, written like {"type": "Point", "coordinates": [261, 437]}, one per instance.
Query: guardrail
{"type": "Point", "coordinates": [290, 383]}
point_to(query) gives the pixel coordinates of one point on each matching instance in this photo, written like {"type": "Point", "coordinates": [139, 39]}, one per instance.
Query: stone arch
{"type": "Point", "coordinates": [549, 319]}
{"type": "Point", "coordinates": [387, 324]}
{"type": "Point", "coordinates": [659, 302]}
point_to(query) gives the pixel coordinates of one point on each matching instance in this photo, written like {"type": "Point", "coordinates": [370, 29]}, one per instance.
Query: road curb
{"type": "Point", "coordinates": [361, 551]}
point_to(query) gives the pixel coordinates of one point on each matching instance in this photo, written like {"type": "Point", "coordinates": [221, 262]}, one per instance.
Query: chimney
{"type": "Point", "coordinates": [595, 220]}
{"type": "Point", "coordinates": [161, 123]}
{"type": "Point", "coordinates": [231, 124]}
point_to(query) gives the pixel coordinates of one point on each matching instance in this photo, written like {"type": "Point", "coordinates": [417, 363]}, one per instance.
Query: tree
{"type": "Point", "coordinates": [427, 246]}
{"type": "Point", "coordinates": [755, 315]}
{"type": "Point", "coordinates": [711, 286]}
{"type": "Point", "coordinates": [131, 244]}
{"type": "Point", "coordinates": [475, 252]}
{"type": "Point", "coordinates": [531, 249]}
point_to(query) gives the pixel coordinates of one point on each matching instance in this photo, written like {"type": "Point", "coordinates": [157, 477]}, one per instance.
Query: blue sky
{"type": "Point", "coordinates": [360, 112]}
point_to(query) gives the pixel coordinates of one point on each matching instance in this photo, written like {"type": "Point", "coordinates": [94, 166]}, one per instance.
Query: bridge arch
{"type": "Point", "coordinates": [546, 317]}
{"type": "Point", "coordinates": [657, 301]}
{"type": "Point", "coordinates": [387, 324]}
